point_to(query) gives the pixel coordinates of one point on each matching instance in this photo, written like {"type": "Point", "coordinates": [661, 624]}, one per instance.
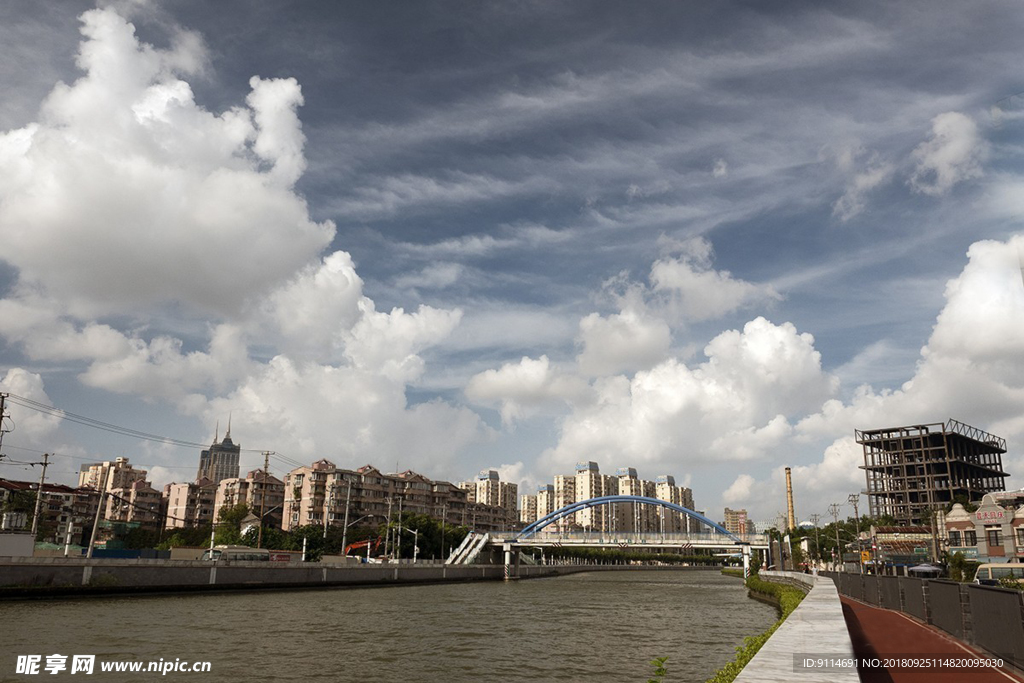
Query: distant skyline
{"type": "Point", "coordinates": [700, 240]}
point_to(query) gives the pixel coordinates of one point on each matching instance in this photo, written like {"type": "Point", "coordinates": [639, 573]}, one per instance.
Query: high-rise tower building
{"type": "Point", "coordinates": [220, 461]}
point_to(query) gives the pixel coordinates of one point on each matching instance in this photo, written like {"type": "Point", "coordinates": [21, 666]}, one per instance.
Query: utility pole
{"type": "Point", "coordinates": [39, 494]}
{"type": "Point", "coordinates": [328, 502]}
{"type": "Point", "coordinates": [99, 509]}
{"type": "Point", "coordinates": [3, 416]}
{"type": "Point", "coordinates": [344, 531]}
{"type": "Point", "coordinates": [815, 518]}
{"type": "Point", "coordinates": [833, 510]}
{"type": "Point", "coordinates": [387, 529]}
{"type": "Point", "coordinates": [398, 533]}
{"type": "Point", "coordinates": [67, 538]}
{"type": "Point", "coordinates": [263, 497]}
{"type": "Point", "coordinates": [444, 515]}
{"type": "Point", "coordinates": [853, 499]}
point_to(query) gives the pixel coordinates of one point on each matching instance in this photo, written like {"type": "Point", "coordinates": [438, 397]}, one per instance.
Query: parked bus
{"type": "Point", "coordinates": [236, 553]}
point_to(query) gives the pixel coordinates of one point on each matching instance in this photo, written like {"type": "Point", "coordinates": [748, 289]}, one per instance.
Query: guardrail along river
{"type": "Point", "coordinates": [584, 627]}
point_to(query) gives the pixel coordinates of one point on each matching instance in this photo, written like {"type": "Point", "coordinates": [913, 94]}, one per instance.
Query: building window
{"type": "Point", "coordinates": [954, 538]}
{"type": "Point", "coordinates": [993, 537]}
{"type": "Point", "coordinates": [1020, 536]}
{"type": "Point", "coordinates": [970, 538]}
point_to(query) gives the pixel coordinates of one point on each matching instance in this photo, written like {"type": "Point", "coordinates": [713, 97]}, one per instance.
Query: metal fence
{"type": "Point", "coordinates": [988, 617]}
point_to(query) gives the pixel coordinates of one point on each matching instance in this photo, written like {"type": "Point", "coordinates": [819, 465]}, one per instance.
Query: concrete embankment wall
{"type": "Point", "coordinates": [815, 629]}
{"type": "Point", "coordinates": [43, 577]}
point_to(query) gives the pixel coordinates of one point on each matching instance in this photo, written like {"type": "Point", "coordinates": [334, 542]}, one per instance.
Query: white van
{"type": "Point", "coordinates": [989, 574]}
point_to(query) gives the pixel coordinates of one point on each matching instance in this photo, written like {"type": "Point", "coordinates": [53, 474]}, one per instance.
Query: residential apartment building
{"type": "Point", "coordinates": [449, 502]}
{"type": "Point", "coordinates": [528, 508]}
{"type": "Point", "coordinates": [565, 494]}
{"type": "Point", "coordinates": [65, 511]}
{"type": "Point", "coordinates": [488, 489]}
{"type": "Point", "coordinates": [665, 489]}
{"type": "Point", "coordinates": [107, 475]}
{"type": "Point", "coordinates": [634, 517]}
{"type": "Point", "coordinates": [545, 500]}
{"type": "Point", "coordinates": [735, 521]}
{"type": "Point", "coordinates": [590, 483]}
{"type": "Point", "coordinates": [321, 492]}
{"type": "Point", "coordinates": [189, 505]}
{"type": "Point", "coordinates": [136, 504]}
{"type": "Point", "coordinates": [260, 490]}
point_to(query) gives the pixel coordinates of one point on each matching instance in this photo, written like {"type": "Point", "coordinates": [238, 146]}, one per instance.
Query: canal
{"type": "Point", "coordinates": [584, 627]}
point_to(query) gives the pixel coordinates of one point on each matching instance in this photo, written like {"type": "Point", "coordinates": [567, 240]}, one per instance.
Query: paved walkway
{"type": "Point", "coordinates": [814, 629]}
{"type": "Point", "coordinates": [882, 633]}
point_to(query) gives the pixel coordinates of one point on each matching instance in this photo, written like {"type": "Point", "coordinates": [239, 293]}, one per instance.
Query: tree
{"type": "Point", "coordinates": [229, 524]}
{"type": "Point", "coordinates": [431, 532]}
{"type": "Point", "coordinates": [188, 537]}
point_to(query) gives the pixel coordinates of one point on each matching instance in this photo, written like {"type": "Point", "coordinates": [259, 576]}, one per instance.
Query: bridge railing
{"type": "Point", "coordinates": [626, 539]}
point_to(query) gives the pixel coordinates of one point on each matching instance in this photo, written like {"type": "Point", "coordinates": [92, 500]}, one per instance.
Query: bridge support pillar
{"type": "Point", "coordinates": [508, 560]}
{"type": "Point", "coordinates": [746, 562]}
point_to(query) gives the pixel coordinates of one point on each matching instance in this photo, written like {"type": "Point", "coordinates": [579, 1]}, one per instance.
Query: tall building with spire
{"type": "Point", "coordinates": [220, 461]}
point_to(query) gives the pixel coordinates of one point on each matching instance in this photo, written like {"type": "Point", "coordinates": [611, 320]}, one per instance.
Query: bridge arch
{"type": "Point", "coordinates": [561, 513]}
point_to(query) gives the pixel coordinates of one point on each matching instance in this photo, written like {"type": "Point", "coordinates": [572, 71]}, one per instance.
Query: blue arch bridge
{"type": "Point", "coordinates": [558, 530]}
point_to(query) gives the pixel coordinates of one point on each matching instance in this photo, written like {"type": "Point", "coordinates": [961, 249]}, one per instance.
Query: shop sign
{"type": "Point", "coordinates": [968, 553]}
{"type": "Point", "coordinates": [990, 515]}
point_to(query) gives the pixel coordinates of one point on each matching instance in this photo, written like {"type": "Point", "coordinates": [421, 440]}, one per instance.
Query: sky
{"type": "Point", "coordinates": [705, 240]}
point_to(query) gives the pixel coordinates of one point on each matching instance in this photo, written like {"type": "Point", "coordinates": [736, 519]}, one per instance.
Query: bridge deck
{"type": "Point", "coordinates": [632, 541]}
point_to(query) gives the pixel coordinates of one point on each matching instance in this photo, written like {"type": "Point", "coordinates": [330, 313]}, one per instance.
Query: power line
{"type": "Point", "coordinates": [31, 404]}
{"type": "Point", "coordinates": [107, 426]}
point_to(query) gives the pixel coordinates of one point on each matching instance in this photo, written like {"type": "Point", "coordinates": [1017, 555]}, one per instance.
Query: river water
{"type": "Point", "coordinates": [585, 627]}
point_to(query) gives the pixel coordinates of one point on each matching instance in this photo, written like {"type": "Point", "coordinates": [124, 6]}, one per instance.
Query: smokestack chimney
{"type": "Point", "coordinates": [789, 498]}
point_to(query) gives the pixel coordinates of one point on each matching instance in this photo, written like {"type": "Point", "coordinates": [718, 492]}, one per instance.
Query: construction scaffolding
{"type": "Point", "coordinates": [914, 470]}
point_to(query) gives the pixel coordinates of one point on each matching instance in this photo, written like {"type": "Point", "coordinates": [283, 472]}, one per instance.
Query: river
{"type": "Point", "coordinates": [583, 627]}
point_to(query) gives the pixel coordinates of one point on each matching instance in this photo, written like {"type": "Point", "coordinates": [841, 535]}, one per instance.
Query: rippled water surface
{"type": "Point", "coordinates": [585, 627]}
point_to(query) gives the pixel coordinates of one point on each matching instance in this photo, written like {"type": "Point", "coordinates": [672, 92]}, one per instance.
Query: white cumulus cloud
{"type": "Point", "coordinates": [524, 387]}
{"type": "Point", "coordinates": [698, 292]}
{"type": "Point", "coordinates": [953, 154]}
{"type": "Point", "coordinates": [127, 194]}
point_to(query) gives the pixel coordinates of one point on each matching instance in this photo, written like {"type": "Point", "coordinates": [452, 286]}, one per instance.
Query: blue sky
{"type": "Point", "coordinates": [709, 241]}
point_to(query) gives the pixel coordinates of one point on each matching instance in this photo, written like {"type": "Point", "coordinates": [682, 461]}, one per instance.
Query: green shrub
{"type": "Point", "coordinates": [788, 599]}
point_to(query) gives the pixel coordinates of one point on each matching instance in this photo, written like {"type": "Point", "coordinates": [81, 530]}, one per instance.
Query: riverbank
{"type": "Point", "coordinates": [784, 598]}
{"type": "Point", "coordinates": [33, 578]}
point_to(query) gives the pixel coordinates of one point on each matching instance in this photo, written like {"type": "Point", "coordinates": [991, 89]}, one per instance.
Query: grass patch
{"type": "Point", "coordinates": [787, 597]}
{"type": "Point", "coordinates": [738, 573]}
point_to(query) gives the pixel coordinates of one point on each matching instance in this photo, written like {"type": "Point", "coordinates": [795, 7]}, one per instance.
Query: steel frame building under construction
{"type": "Point", "coordinates": [919, 468]}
